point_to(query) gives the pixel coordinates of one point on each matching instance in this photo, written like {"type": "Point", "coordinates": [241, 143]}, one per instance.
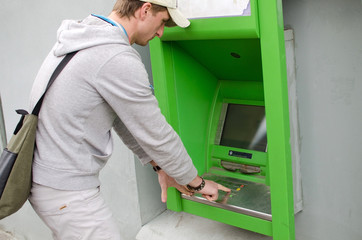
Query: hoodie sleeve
{"type": "Point", "coordinates": [123, 83]}
{"type": "Point", "coordinates": [130, 141]}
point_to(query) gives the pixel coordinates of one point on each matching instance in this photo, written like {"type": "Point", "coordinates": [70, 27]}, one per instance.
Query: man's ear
{"type": "Point", "coordinates": [144, 10]}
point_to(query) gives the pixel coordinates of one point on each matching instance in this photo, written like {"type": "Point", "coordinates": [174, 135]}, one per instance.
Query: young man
{"type": "Point", "coordinates": [104, 86]}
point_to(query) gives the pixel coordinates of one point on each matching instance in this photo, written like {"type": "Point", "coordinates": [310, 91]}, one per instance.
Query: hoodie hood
{"type": "Point", "coordinates": [92, 31]}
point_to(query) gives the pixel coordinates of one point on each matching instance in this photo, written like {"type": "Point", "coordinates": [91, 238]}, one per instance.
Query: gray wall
{"type": "Point", "coordinates": [28, 31]}
{"type": "Point", "coordinates": [328, 49]}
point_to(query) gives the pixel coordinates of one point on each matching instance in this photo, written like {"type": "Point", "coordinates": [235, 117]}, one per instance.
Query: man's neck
{"type": "Point", "coordinates": [128, 24]}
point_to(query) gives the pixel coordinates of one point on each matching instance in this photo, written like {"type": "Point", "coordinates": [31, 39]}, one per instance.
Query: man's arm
{"type": "Point", "coordinates": [208, 191]}
{"type": "Point", "coordinates": [124, 85]}
{"type": "Point", "coordinates": [130, 141]}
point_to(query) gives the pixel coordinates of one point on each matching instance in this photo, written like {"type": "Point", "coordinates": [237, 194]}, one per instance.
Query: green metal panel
{"type": "Point", "coordinates": [216, 56]}
{"type": "Point", "coordinates": [195, 87]}
{"type": "Point", "coordinates": [239, 60]}
{"type": "Point", "coordinates": [213, 28]}
{"type": "Point", "coordinates": [164, 80]}
{"type": "Point", "coordinates": [220, 152]}
{"type": "Point", "coordinates": [276, 101]}
{"type": "Point", "coordinates": [161, 59]}
{"type": "Point", "coordinates": [231, 218]}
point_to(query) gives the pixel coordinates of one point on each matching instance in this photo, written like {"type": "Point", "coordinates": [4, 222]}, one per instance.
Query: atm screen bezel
{"type": "Point", "coordinates": [222, 119]}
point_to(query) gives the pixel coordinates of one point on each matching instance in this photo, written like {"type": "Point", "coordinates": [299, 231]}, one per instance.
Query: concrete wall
{"type": "Point", "coordinates": [28, 31]}
{"type": "Point", "coordinates": [328, 50]}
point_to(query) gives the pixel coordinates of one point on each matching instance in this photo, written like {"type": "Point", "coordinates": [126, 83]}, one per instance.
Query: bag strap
{"type": "Point", "coordinates": [55, 74]}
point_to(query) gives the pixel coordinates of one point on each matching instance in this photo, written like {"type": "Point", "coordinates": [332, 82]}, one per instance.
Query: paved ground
{"type": "Point", "coordinates": [184, 226]}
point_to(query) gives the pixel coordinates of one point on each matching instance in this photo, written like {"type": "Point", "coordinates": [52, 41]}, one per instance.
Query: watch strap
{"type": "Point", "coordinates": [198, 188]}
{"type": "Point", "coordinates": [156, 168]}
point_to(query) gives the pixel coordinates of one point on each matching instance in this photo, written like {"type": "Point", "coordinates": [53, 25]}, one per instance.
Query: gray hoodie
{"type": "Point", "coordinates": [104, 86]}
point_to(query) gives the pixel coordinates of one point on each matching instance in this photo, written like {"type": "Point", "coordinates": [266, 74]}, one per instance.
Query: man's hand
{"type": "Point", "coordinates": [211, 189]}
{"type": "Point", "coordinates": [166, 182]}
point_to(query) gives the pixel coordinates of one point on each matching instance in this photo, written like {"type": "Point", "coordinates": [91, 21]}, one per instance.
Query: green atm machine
{"type": "Point", "coordinates": [222, 85]}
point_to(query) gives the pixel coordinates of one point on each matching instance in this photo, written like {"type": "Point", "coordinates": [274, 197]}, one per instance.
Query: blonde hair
{"type": "Point", "coordinates": [127, 8]}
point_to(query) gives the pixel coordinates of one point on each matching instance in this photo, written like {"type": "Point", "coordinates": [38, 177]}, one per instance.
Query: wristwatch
{"type": "Point", "coordinates": [198, 188]}
{"type": "Point", "coordinates": [156, 168]}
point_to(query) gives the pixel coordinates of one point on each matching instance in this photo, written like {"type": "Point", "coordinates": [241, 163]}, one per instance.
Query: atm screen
{"type": "Point", "coordinates": [244, 127]}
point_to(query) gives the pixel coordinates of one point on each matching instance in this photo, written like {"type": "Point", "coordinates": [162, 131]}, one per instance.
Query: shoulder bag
{"type": "Point", "coordinates": [17, 158]}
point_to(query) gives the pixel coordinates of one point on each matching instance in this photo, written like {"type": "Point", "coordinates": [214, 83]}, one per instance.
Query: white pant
{"type": "Point", "coordinates": [74, 214]}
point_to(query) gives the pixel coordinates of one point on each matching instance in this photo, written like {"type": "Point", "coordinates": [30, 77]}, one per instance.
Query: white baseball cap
{"type": "Point", "coordinates": [176, 16]}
